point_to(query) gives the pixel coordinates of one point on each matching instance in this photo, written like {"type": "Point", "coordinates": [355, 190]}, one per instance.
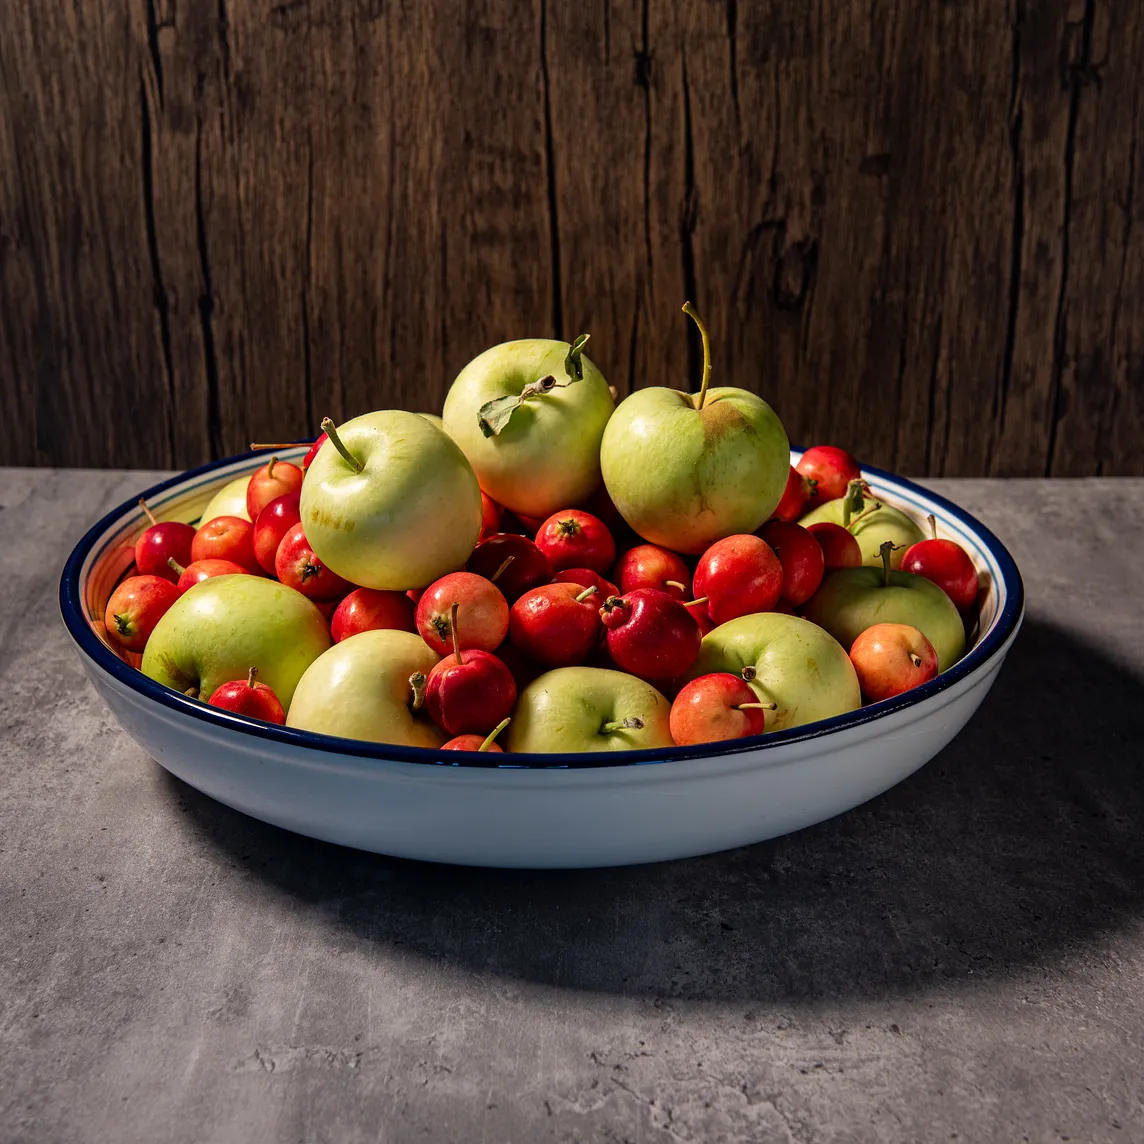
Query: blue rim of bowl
{"type": "Point", "coordinates": [75, 619]}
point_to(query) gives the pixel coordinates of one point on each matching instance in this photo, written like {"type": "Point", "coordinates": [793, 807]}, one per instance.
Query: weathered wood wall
{"type": "Point", "coordinates": [911, 225]}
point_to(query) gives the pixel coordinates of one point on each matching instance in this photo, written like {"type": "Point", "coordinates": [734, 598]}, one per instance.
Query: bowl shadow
{"type": "Point", "coordinates": [1018, 843]}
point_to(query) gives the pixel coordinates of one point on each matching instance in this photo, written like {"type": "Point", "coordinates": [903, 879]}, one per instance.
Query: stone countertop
{"type": "Point", "coordinates": [960, 959]}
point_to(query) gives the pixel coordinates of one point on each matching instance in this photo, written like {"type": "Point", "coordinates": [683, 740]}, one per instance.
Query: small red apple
{"type": "Point", "coordinates": [944, 562]}
{"type": "Point", "coordinates": [512, 562]}
{"type": "Point", "coordinates": [164, 540]}
{"type": "Point", "coordinates": [250, 698]}
{"type": "Point", "coordinates": [476, 742]}
{"type": "Point", "coordinates": [135, 607]}
{"type": "Point", "coordinates": [586, 578]}
{"type": "Point", "coordinates": [273, 522]}
{"type": "Point", "coordinates": [839, 548]}
{"type": "Point", "coordinates": [483, 611]}
{"type": "Point", "coordinates": [890, 659]}
{"type": "Point", "coordinates": [313, 451]}
{"type": "Point", "coordinates": [200, 570]}
{"type": "Point", "coordinates": [831, 468]}
{"type": "Point", "coordinates": [275, 479]}
{"type": "Point", "coordinates": [717, 707]}
{"type": "Point", "coordinates": [650, 634]}
{"type": "Point", "coordinates": [739, 575]}
{"type": "Point", "coordinates": [371, 609]}
{"type": "Point", "coordinates": [226, 538]}
{"type": "Point", "coordinates": [490, 517]}
{"type": "Point", "coordinates": [651, 566]}
{"type": "Point", "coordinates": [800, 556]}
{"type": "Point", "coordinates": [299, 567]}
{"type": "Point", "coordinates": [556, 625]}
{"type": "Point", "coordinates": [576, 539]}
{"type": "Point", "coordinates": [797, 492]}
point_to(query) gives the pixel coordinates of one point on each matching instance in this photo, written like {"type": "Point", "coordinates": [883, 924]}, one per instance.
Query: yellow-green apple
{"type": "Point", "coordinates": [788, 661]}
{"type": "Point", "coordinates": [369, 686]}
{"type": "Point", "coordinates": [230, 500]}
{"type": "Point", "coordinates": [854, 599]}
{"type": "Point", "coordinates": [222, 627]}
{"type": "Point", "coordinates": [529, 415]}
{"type": "Point", "coordinates": [574, 709]}
{"type": "Point", "coordinates": [687, 471]}
{"type": "Point", "coordinates": [870, 522]}
{"type": "Point", "coordinates": [390, 501]}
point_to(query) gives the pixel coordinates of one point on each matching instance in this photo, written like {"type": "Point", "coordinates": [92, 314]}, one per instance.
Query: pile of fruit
{"type": "Point", "coordinates": [541, 570]}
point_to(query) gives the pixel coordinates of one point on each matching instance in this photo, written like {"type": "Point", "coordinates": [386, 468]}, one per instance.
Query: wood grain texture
{"type": "Point", "coordinates": [911, 227]}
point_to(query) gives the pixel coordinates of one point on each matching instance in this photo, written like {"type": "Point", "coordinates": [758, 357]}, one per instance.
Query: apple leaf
{"type": "Point", "coordinates": [573, 364]}
{"type": "Point", "coordinates": [494, 415]}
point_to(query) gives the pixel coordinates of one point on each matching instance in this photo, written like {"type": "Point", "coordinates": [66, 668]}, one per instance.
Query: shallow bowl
{"type": "Point", "coordinates": [571, 810]}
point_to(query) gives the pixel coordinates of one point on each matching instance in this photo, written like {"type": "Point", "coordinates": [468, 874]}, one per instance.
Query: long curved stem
{"type": "Point", "coordinates": [493, 734]}
{"type": "Point", "coordinates": [690, 311]}
{"type": "Point", "coordinates": [331, 431]}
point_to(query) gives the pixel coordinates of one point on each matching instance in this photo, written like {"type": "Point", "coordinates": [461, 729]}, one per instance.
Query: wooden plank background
{"type": "Point", "coordinates": [911, 226]}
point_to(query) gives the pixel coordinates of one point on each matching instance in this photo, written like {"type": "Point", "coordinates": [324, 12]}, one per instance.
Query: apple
{"type": "Point", "coordinates": [297, 565]}
{"type": "Point", "coordinates": [512, 562]}
{"type": "Point", "coordinates": [788, 661]}
{"type": "Point", "coordinates": [573, 538]}
{"type": "Point", "coordinates": [476, 742]}
{"type": "Point", "coordinates": [650, 566]}
{"type": "Point", "coordinates": [797, 492]}
{"type": "Point", "coordinates": [586, 578]}
{"type": "Point", "coordinates": [135, 608]}
{"type": "Point", "coordinates": [687, 471]}
{"type": "Point", "coordinates": [943, 561]}
{"type": "Point", "coordinates": [828, 471]}
{"type": "Point", "coordinates": [738, 575]}
{"type": "Point", "coordinates": [274, 521]}
{"type": "Point", "coordinates": [362, 689]}
{"type": "Point", "coordinates": [275, 479]}
{"type": "Point", "coordinates": [250, 698]}
{"type": "Point", "coordinates": [230, 500]}
{"type": "Point", "coordinates": [469, 692]}
{"type": "Point", "coordinates": [199, 570]}
{"type": "Point", "coordinates": [482, 608]}
{"type": "Point", "coordinates": [650, 634]}
{"type": "Point", "coordinates": [556, 625]}
{"type": "Point", "coordinates": [891, 659]}
{"type": "Point", "coordinates": [801, 557]}
{"type": "Point", "coordinates": [854, 599]}
{"type": "Point", "coordinates": [161, 542]}
{"type": "Point", "coordinates": [226, 538]}
{"type": "Point", "coordinates": [217, 630]}
{"type": "Point", "coordinates": [370, 609]}
{"type": "Point", "coordinates": [839, 548]}
{"type": "Point", "coordinates": [588, 709]}
{"type": "Point", "coordinates": [870, 522]}
{"type": "Point", "coordinates": [529, 416]}
{"type": "Point", "coordinates": [717, 707]}
{"type": "Point", "coordinates": [390, 502]}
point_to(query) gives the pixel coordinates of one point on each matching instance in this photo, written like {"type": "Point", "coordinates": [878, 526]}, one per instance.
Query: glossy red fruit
{"type": "Point", "coordinates": [714, 708]}
{"type": "Point", "coordinates": [800, 556]}
{"type": "Point", "coordinates": [275, 479]}
{"type": "Point", "coordinates": [697, 610]}
{"type": "Point", "coordinates": [890, 659]}
{"type": "Point", "coordinates": [490, 517]}
{"type": "Point", "coordinates": [226, 538]}
{"type": "Point", "coordinates": [250, 698]}
{"type": "Point", "coordinates": [738, 575]}
{"type": "Point", "coordinates": [650, 635]}
{"type": "Point", "coordinates": [321, 440]}
{"type": "Point", "coordinates": [199, 570]}
{"type": "Point", "coordinates": [273, 522]}
{"type": "Point", "coordinates": [797, 492]}
{"type": "Point", "coordinates": [556, 625]}
{"type": "Point", "coordinates": [946, 564]}
{"type": "Point", "coordinates": [469, 692]}
{"type": "Point", "coordinates": [831, 468]}
{"type": "Point", "coordinates": [586, 578]}
{"type": "Point", "coordinates": [371, 609]}
{"type": "Point", "coordinates": [135, 607]}
{"type": "Point", "coordinates": [576, 539]}
{"type": "Point", "coordinates": [477, 742]}
{"type": "Point", "coordinates": [839, 548]}
{"type": "Point", "coordinates": [483, 612]}
{"type": "Point", "coordinates": [163, 541]}
{"type": "Point", "coordinates": [298, 567]}
{"type": "Point", "coordinates": [528, 567]}
{"type": "Point", "coordinates": [650, 566]}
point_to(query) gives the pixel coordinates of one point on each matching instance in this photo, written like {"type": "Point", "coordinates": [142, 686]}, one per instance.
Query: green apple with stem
{"type": "Point", "coordinates": [529, 415]}
{"type": "Point", "coordinates": [685, 471]}
{"type": "Point", "coordinates": [870, 522]}
{"type": "Point", "coordinates": [390, 502]}
{"type": "Point", "coordinates": [787, 661]}
{"type": "Point", "coordinates": [222, 627]}
{"type": "Point", "coordinates": [585, 709]}
{"type": "Point", "coordinates": [230, 500]}
{"type": "Point", "coordinates": [370, 686]}
{"type": "Point", "coordinates": [853, 599]}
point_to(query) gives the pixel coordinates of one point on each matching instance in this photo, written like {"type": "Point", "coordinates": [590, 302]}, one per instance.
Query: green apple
{"type": "Point", "coordinates": [853, 599]}
{"type": "Point", "coordinates": [390, 501]}
{"type": "Point", "coordinates": [686, 471]}
{"type": "Point", "coordinates": [230, 500]}
{"type": "Point", "coordinates": [222, 627]}
{"type": "Point", "coordinates": [871, 523]}
{"type": "Point", "coordinates": [588, 709]}
{"type": "Point", "coordinates": [361, 689]}
{"type": "Point", "coordinates": [529, 415]}
{"type": "Point", "coordinates": [787, 661]}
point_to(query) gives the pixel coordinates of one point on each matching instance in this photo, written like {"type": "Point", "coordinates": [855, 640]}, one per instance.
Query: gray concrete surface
{"type": "Point", "coordinates": [961, 959]}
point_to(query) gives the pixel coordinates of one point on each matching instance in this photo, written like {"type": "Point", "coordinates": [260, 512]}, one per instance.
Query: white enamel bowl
{"type": "Point", "coordinates": [533, 810]}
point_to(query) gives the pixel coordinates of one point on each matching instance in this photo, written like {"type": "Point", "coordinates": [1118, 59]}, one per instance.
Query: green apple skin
{"type": "Point", "coordinates": [853, 599]}
{"type": "Point", "coordinates": [797, 665]}
{"type": "Point", "coordinates": [222, 627]}
{"type": "Point", "coordinates": [360, 689]}
{"type": "Point", "coordinates": [683, 477]}
{"type": "Point", "coordinates": [230, 500]}
{"type": "Point", "coordinates": [434, 419]}
{"type": "Point", "coordinates": [563, 711]}
{"type": "Point", "coordinates": [885, 523]}
{"type": "Point", "coordinates": [547, 457]}
{"type": "Point", "coordinates": [412, 514]}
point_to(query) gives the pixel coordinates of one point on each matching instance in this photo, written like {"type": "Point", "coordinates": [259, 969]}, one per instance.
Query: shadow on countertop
{"type": "Point", "coordinates": [1022, 840]}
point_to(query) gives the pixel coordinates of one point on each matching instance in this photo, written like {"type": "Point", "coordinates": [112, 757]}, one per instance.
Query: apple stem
{"type": "Point", "coordinates": [418, 681]}
{"type": "Point", "coordinates": [493, 577]}
{"type": "Point", "coordinates": [454, 609]}
{"type": "Point", "coordinates": [756, 706]}
{"type": "Point", "coordinates": [192, 692]}
{"type": "Point", "coordinates": [933, 531]}
{"type": "Point", "coordinates": [493, 734]}
{"type": "Point", "coordinates": [147, 511]}
{"type": "Point", "coordinates": [277, 445]}
{"type": "Point", "coordinates": [749, 672]}
{"type": "Point", "coordinates": [252, 678]}
{"type": "Point", "coordinates": [175, 566]}
{"type": "Point", "coordinates": [632, 723]}
{"type": "Point", "coordinates": [696, 602]}
{"type": "Point", "coordinates": [701, 397]}
{"type": "Point", "coordinates": [884, 550]}
{"type": "Point", "coordinates": [270, 468]}
{"type": "Point", "coordinates": [586, 593]}
{"type": "Point", "coordinates": [873, 506]}
{"type": "Point", "coordinates": [331, 431]}
{"type": "Point", "coordinates": [675, 584]}
{"type": "Point", "coordinates": [915, 659]}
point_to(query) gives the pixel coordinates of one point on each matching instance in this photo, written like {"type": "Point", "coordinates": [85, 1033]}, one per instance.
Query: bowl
{"type": "Point", "coordinates": [573, 810]}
